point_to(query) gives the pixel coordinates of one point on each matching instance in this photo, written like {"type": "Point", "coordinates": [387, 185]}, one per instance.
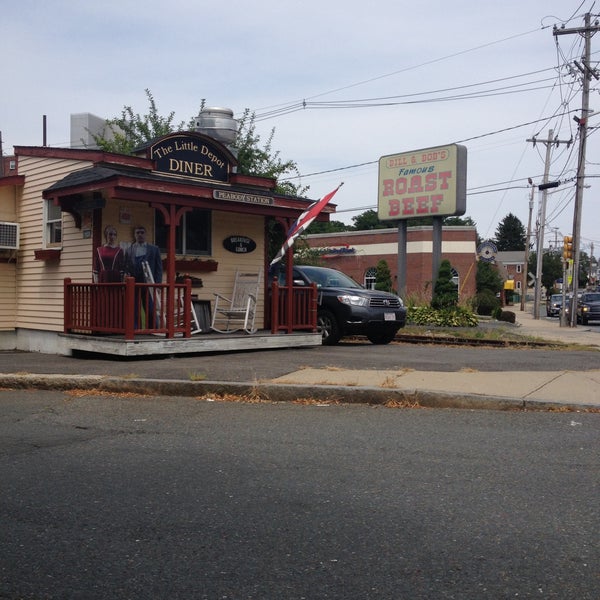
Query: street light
{"type": "Point", "coordinates": [543, 187]}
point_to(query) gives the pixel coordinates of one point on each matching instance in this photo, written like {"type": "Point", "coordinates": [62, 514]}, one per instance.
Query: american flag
{"type": "Point", "coordinates": [303, 221]}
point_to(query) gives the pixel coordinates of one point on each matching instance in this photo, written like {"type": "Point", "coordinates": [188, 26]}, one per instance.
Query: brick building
{"type": "Point", "coordinates": [357, 253]}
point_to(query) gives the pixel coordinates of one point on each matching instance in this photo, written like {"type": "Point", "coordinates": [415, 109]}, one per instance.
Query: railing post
{"type": "Point", "coordinates": [187, 307]}
{"type": "Point", "coordinates": [67, 305]}
{"type": "Point", "coordinates": [274, 307]}
{"type": "Point", "coordinates": [129, 308]}
{"type": "Point", "coordinates": [313, 307]}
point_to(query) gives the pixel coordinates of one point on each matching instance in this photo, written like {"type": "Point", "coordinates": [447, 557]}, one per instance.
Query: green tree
{"type": "Point", "coordinates": [445, 292]}
{"type": "Point", "coordinates": [510, 234]}
{"type": "Point", "coordinates": [254, 159]}
{"type": "Point", "coordinates": [489, 284]}
{"type": "Point", "coordinates": [383, 277]}
{"type": "Point", "coordinates": [368, 220]}
{"type": "Point", "coordinates": [327, 227]}
{"type": "Point", "coordinates": [132, 130]}
{"type": "Point", "coordinates": [467, 221]}
{"type": "Point", "coordinates": [488, 278]}
{"type": "Point", "coordinates": [552, 268]}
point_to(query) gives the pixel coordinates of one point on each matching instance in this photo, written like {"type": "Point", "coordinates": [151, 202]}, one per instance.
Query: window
{"type": "Point", "coordinates": [455, 277]}
{"type": "Point", "coordinates": [518, 284]}
{"type": "Point", "coordinates": [370, 278]}
{"type": "Point", "coordinates": [519, 268]}
{"type": "Point", "coordinates": [193, 233]}
{"type": "Point", "coordinates": [53, 219]}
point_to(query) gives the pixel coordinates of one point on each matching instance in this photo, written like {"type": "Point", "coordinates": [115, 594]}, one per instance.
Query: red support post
{"type": "Point", "coordinates": [274, 306]}
{"type": "Point", "coordinates": [67, 305]}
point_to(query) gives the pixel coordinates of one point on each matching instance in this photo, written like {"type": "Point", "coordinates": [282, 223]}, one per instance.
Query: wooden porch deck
{"type": "Point", "coordinates": [156, 345]}
{"type": "Point", "coordinates": [108, 318]}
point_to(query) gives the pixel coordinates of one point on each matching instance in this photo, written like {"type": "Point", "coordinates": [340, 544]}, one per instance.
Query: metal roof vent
{"type": "Point", "coordinates": [218, 123]}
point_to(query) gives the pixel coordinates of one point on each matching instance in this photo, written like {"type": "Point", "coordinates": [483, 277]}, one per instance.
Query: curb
{"type": "Point", "coordinates": [269, 392]}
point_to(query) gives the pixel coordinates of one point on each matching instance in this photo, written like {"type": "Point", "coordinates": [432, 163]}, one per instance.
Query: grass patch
{"type": "Point", "coordinates": [471, 333]}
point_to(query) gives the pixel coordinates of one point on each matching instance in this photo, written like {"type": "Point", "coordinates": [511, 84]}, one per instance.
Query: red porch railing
{"type": "Point", "coordinates": [293, 308]}
{"type": "Point", "coordinates": [128, 308]}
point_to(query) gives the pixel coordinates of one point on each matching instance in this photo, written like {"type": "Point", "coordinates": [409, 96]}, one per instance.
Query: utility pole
{"type": "Point", "coordinates": [543, 187]}
{"type": "Point", "coordinates": [588, 72]}
{"type": "Point", "coordinates": [527, 243]}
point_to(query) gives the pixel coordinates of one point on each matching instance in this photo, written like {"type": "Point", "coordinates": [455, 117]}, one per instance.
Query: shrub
{"type": "Point", "coordinates": [508, 316]}
{"type": "Point", "coordinates": [486, 302]}
{"type": "Point", "coordinates": [456, 316]}
{"type": "Point", "coordinates": [445, 292]}
{"type": "Point", "coordinates": [383, 277]}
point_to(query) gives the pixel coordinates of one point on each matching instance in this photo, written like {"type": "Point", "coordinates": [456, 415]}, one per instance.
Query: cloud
{"type": "Point", "coordinates": [67, 57]}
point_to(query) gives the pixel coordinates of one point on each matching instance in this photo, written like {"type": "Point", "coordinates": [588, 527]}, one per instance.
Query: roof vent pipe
{"type": "Point", "coordinates": [217, 123]}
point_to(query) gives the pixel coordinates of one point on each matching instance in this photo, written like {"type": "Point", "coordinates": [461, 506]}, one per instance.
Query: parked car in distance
{"type": "Point", "coordinates": [588, 307]}
{"type": "Point", "coordinates": [553, 305]}
{"type": "Point", "coordinates": [347, 308]}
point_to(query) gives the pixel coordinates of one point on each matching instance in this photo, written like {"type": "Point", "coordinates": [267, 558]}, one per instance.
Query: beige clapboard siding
{"type": "Point", "coordinates": [221, 280]}
{"type": "Point", "coordinates": [8, 203]}
{"type": "Point", "coordinates": [8, 296]}
{"type": "Point", "coordinates": [8, 281]}
{"type": "Point", "coordinates": [40, 283]}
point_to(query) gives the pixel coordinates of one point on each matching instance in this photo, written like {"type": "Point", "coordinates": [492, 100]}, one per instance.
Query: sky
{"type": "Point", "coordinates": [338, 84]}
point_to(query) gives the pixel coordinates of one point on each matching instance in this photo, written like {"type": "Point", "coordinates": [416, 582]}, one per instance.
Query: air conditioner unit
{"type": "Point", "coordinates": [9, 236]}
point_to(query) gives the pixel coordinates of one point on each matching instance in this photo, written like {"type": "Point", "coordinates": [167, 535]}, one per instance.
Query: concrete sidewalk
{"type": "Point", "coordinates": [468, 388]}
{"type": "Point", "coordinates": [575, 390]}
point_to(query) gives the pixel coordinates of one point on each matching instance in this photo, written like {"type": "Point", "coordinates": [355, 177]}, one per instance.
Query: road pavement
{"type": "Point", "coordinates": [264, 376]}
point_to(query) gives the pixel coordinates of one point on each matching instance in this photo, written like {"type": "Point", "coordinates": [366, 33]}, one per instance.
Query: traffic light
{"type": "Point", "coordinates": [567, 247]}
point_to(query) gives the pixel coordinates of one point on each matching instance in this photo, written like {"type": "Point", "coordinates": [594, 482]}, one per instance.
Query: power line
{"type": "Point", "coordinates": [372, 162]}
{"type": "Point", "coordinates": [283, 108]}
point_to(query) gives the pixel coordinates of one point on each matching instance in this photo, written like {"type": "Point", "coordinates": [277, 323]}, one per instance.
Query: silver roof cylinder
{"type": "Point", "coordinates": [217, 123]}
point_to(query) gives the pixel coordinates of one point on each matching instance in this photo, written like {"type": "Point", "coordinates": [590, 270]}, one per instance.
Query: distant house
{"type": "Point", "coordinates": [512, 268]}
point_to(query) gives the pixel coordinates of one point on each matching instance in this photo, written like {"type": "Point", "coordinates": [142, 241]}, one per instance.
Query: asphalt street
{"type": "Point", "coordinates": [133, 497]}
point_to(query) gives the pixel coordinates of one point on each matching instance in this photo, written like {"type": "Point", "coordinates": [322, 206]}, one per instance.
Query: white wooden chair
{"type": "Point", "coordinates": [239, 311]}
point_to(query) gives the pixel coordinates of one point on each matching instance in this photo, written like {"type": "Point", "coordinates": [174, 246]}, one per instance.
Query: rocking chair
{"type": "Point", "coordinates": [239, 311]}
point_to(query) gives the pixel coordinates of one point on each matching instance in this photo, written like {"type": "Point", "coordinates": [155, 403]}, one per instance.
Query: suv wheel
{"type": "Point", "coordinates": [329, 328]}
{"type": "Point", "coordinates": [381, 336]}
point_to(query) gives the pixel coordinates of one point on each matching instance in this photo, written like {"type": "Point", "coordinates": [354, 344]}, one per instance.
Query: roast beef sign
{"type": "Point", "coordinates": [239, 244]}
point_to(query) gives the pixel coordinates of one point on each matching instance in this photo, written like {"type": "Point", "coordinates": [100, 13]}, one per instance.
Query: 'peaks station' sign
{"type": "Point", "coordinates": [424, 183]}
{"type": "Point", "coordinates": [193, 156]}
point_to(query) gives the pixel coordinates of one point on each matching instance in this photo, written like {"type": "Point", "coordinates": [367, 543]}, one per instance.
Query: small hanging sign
{"type": "Point", "coordinates": [239, 244]}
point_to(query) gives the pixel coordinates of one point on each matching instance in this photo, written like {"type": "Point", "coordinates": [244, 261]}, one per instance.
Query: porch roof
{"type": "Point", "coordinates": [127, 183]}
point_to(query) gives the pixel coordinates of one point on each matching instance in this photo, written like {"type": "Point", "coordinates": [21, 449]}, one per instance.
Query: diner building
{"type": "Point", "coordinates": [210, 222]}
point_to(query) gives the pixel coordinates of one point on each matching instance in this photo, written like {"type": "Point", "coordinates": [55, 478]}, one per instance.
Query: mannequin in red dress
{"type": "Point", "coordinates": [109, 259]}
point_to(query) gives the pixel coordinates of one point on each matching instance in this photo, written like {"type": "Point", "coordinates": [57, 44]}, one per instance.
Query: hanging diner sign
{"type": "Point", "coordinates": [239, 244]}
{"type": "Point", "coordinates": [193, 156]}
